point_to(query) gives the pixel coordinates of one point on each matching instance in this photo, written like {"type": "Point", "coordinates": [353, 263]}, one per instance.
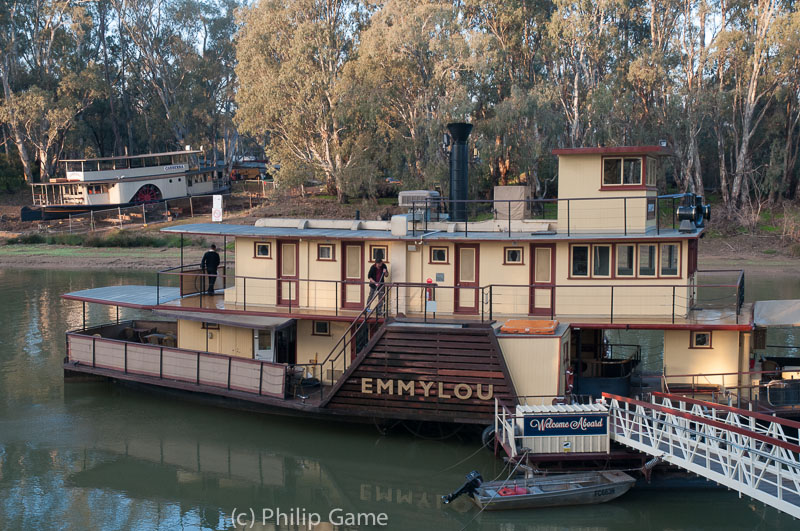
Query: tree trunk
{"type": "Point", "coordinates": [109, 87]}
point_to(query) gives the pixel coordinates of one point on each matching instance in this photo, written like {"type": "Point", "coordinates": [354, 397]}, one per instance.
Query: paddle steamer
{"type": "Point", "coordinates": [514, 301]}
{"type": "Point", "coordinates": [110, 182]}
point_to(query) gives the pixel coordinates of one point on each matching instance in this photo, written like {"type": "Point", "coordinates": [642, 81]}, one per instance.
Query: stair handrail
{"type": "Point", "coordinates": [380, 300]}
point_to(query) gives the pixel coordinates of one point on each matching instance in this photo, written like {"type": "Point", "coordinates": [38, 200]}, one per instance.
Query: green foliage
{"type": "Point", "coordinates": [12, 177]}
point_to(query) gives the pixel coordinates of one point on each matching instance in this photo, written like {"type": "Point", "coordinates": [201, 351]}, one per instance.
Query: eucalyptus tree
{"type": "Point", "coordinates": [291, 55]}
{"type": "Point", "coordinates": [410, 71]}
{"type": "Point", "coordinates": [747, 76]}
{"type": "Point", "coordinates": [49, 76]}
{"type": "Point", "coordinates": [583, 35]}
{"type": "Point", "coordinates": [515, 123]}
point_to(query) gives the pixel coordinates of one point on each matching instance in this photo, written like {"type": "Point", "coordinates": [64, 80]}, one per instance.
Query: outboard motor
{"type": "Point", "coordinates": [474, 480]}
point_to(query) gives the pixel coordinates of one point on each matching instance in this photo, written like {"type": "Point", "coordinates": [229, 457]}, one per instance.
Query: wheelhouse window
{"type": "Point", "coordinates": [626, 260]}
{"type": "Point", "coordinates": [700, 340]}
{"type": "Point", "coordinates": [580, 261]}
{"type": "Point", "coordinates": [652, 170]}
{"type": "Point", "coordinates": [378, 251]}
{"type": "Point", "coordinates": [622, 171]}
{"type": "Point", "coordinates": [439, 255]}
{"type": "Point", "coordinates": [513, 256]}
{"type": "Point", "coordinates": [601, 260]}
{"type": "Point", "coordinates": [322, 328]}
{"type": "Point", "coordinates": [647, 260]}
{"type": "Point", "coordinates": [263, 250]}
{"type": "Point", "coordinates": [669, 259]}
{"type": "Point", "coordinates": [325, 252]}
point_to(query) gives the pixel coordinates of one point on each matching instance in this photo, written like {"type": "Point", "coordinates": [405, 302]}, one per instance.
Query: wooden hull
{"type": "Point", "coordinates": [554, 490]}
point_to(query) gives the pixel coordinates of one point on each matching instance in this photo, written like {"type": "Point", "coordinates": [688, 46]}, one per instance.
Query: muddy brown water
{"type": "Point", "coordinates": [102, 456]}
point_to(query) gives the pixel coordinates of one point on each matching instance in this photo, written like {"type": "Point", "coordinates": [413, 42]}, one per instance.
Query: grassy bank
{"type": "Point", "coordinates": [112, 239]}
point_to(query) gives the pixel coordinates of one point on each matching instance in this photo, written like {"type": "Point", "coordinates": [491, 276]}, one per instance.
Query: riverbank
{"type": "Point", "coordinates": [67, 257]}
{"type": "Point", "coordinates": [43, 256]}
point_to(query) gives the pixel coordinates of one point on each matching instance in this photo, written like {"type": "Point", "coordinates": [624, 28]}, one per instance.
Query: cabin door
{"type": "Point", "coordinates": [543, 290]}
{"type": "Point", "coordinates": [288, 272]}
{"type": "Point", "coordinates": [264, 345]}
{"type": "Point", "coordinates": [353, 275]}
{"type": "Point", "coordinates": [467, 279]}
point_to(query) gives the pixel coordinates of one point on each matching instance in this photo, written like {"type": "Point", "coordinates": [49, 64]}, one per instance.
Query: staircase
{"type": "Point", "coordinates": [426, 371]}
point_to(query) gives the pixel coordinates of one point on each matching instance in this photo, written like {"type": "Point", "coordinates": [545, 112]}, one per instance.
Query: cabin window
{"type": "Point", "coordinates": [264, 339]}
{"type": "Point", "coordinates": [580, 260]}
{"type": "Point", "coordinates": [647, 260]}
{"type": "Point", "coordinates": [325, 252]}
{"type": "Point", "coordinates": [652, 171]}
{"type": "Point", "coordinates": [669, 259]}
{"type": "Point", "coordinates": [626, 260]}
{"type": "Point", "coordinates": [439, 255]}
{"type": "Point", "coordinates": [210, 326]}
{"type": "Point", "coordinates": [378, 251]}
{"type": "Point", "coordinates": [322, 328]}
{"type": "Point", "coordinates": [651, 209]}
{"type": "Point", "coordinates": [601, 260]}
{"type": "Point", "coordinates": [513, 256]}
{"type": "Point", "coordinates": [700, 340]}
{"type": "Point", "coordinates": [622, 171]}
{"type": "Point", "coordinates": [263, 250]}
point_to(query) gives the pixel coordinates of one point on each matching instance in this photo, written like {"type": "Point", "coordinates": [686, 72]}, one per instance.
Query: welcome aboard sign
{"type": "Point", "coordinates": [555, 425]}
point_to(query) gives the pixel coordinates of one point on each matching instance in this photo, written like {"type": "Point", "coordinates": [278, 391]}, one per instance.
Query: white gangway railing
{"type": "Point", "coordinates": [755, 454]}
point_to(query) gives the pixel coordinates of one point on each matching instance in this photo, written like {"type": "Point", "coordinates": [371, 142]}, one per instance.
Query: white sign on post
{"type": "Point", "coordinates": [216, 208]}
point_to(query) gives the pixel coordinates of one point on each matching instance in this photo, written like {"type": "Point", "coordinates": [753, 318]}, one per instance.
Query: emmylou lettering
{"type": "Point", "coordinates": [461, 391]}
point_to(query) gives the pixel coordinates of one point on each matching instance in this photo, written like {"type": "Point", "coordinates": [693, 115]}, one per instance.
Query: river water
{"type": "Point", "coordinates": [101, 456]}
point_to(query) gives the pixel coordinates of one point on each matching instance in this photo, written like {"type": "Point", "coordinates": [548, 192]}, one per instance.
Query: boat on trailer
{"type": "Point", "coordinates": [109, 182]}
{"type": "Point", "coordinates": [537, 491]}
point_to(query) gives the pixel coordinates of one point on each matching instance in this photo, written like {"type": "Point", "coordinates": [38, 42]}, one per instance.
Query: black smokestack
{"type": "Point", "coordinates": [459, 168]}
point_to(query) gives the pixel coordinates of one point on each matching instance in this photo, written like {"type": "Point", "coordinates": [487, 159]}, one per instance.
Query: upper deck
{"type": "Point", "coordinates": [128, 166]}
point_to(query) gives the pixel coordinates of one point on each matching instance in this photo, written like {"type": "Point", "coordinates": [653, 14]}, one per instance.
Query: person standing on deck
{"type": "Point", "coordinates": [377, 275]}
{"type": "Point", "coordinates": [209, 266]}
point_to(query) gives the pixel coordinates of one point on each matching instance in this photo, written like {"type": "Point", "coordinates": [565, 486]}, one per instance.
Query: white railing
{"type": "Point", "coordinates": [744, 451]}
{"type": "Point", "coordinates": [504, 429]}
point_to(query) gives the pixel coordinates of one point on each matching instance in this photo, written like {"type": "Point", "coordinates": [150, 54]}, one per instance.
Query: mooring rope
{"type": "Point", "coordinates": [496, 492]}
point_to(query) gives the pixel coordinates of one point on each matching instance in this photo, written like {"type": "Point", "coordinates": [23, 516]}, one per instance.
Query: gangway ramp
{"type": "Point", "coordinates": [755, 454]}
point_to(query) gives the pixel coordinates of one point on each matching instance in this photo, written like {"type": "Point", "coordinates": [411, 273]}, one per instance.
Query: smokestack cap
{"type": "Point", "coordinates": [459, 131]}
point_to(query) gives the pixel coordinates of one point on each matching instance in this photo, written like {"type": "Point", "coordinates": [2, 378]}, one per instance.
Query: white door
{"type": "Point", "coordinates": [264, 345]}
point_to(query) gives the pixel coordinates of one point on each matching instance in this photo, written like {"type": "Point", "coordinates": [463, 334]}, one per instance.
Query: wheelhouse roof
{"type": "Point", "coordinates": [615, 150]}
{"type": "Point", "coordinates": [144, 156]}
{"type": "Point", "coordinates": [250, 231]}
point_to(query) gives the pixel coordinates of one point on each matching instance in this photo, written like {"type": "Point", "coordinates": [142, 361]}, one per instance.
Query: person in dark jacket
{"type": "Point", "coordinates": [377, 276]}
{"type": "Point", "coordinates": [209, 266]}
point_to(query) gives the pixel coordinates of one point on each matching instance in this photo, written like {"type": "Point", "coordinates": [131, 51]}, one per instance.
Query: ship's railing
{"type": "Point", "coordinates": [765, 390]}
{"type": "Point", "coordinates": [507, 421]}
{"type": "Point", "coordinates": [434, 301]}
{"type": "Point", "coordinates": [598, 215]}
{"type": "Point", "coordinates": [752, 453]}
{"type": "Point", "coordinates": [355, 338]}
{"type": "Point", "coordinates": [133, 357]}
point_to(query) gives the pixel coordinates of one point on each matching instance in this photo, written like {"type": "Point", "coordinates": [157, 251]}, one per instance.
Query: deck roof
{"type": "Point", "coordinates": [144, 297]}
{"type": "Point", "coordinates": [251, 231]}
